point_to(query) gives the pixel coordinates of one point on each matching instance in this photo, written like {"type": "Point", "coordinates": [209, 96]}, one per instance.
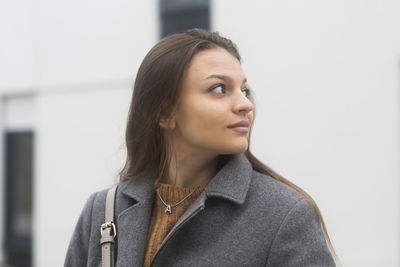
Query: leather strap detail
{"type": "Point", "coordinates": [108, 230]}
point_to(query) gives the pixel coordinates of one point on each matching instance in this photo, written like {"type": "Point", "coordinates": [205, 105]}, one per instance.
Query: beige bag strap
{"type": "Point", "coordinates": [108, 230]}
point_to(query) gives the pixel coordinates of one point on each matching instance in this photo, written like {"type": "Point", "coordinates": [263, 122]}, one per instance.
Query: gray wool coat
{"type": "Point", "coordinates": [242, 218]}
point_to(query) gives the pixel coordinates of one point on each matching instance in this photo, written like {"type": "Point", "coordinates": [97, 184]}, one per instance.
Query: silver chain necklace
{"type": "Point", "coordinates": [169, 207]}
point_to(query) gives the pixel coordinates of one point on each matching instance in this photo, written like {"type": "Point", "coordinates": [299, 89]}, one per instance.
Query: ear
{"type": "Point", "coordinates": [167, 123]}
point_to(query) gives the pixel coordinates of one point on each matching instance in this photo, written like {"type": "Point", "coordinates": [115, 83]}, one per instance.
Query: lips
{"type": "Point", "coordinates": [243, 123]}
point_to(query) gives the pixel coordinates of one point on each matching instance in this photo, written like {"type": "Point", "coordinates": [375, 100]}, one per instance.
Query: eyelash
{"type": "Point", "coordinates": [224, 87]}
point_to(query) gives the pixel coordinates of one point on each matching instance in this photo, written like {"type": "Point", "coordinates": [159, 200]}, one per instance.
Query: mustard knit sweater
{"type": "Point", "coordinates": [161, 222]}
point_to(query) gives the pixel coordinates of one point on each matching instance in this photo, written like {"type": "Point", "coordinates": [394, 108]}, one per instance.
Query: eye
{"type": "Point", "coordinates": [248, 92]}
{"type": "Point", "coordinates": [220, 87]}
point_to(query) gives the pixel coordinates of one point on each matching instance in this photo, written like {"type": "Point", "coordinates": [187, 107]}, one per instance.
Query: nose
{"type": "Point", "coordinates": [242, 104]}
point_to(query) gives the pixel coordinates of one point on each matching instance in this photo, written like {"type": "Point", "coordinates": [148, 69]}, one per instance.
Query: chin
{"type": "Point", "coordinates": [235, 148]}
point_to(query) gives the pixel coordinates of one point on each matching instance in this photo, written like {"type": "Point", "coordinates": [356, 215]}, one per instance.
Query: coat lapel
{"type": "Point", "coordinates": [231, 183]}
{"type": "Point", "coordinates": [233, 180]}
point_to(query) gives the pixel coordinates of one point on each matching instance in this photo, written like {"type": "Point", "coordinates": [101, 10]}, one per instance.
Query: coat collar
{"type": "Point", "coordinates": [231, 182]}
{"type": "Point", "coordinates": [233, 179]}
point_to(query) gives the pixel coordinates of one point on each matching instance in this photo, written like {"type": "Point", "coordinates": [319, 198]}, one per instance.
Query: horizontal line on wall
{"type": "Point", "coordinates": [68, 88]}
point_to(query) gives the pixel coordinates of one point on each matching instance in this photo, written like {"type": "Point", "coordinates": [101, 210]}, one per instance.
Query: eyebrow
{"type": "Point", "coordinates": [222, 77]}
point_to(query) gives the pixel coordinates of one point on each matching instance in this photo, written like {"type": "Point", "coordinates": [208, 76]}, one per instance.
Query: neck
{"type": "Point", "coordinates": [191, 170]}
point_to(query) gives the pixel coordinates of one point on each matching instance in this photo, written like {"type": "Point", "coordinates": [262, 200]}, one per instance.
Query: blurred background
{"type": "Point", "coordinates": [326, 77]}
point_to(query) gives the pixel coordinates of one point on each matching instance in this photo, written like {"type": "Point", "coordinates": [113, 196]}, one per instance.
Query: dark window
{"type": "Point", "coordinates": [180, 15]}
{"type": "Point", "coordinates": [18, 176]}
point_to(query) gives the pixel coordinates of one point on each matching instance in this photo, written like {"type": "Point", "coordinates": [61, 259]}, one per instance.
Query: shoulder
{"type": "Point", "coordinates": [93, 211]}
{"type": "Point", "coordinates": [272, 192]}
{"type": "Point", "coordinates": [82, 250]}
{"type": "Point", "coordinates": [277, 202]}
{"type": "Point", "coordinates": [294, 221]}
{"type": "Point", "coordinates": [95, 201]}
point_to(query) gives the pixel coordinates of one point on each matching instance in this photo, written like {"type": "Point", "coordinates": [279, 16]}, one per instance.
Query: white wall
{"type": "Point", "coordinates": [326, 77]}
{"type": "Point", "coordinates": [79, 59]}
{"type": "Point", "coordinates": [89, 55]}
{"type": "Point", "coordinates": [17, 45]}
{"type": "Point", "coordinates": [79, 151]}
{"type": "Point", "coordinates": [84, 41]}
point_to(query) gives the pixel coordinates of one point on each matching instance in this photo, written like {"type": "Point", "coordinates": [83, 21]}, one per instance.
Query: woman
{"type": "Point", "coordinates": [191, 193]}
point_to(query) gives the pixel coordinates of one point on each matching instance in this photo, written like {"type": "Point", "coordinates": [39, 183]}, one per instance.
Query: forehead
{"type": "Point", "coordinates": [214, 61]}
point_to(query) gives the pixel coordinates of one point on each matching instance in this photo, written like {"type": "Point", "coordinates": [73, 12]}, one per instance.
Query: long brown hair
{"type": "Point", "coordinates": [156, 93]}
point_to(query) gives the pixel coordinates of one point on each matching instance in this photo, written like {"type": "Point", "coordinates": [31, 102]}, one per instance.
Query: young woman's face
{"type": "Point", "coordinates": [215, 95]}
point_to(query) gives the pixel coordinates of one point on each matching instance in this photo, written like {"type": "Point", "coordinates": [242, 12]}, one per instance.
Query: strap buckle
{"type": "Point", "coordinates": [106, 225]}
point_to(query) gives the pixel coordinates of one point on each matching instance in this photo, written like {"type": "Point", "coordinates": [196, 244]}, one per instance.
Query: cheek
{"type": "Point", "coordinates": [203, 122]}
{"type": "Point", "coordinates": [251, 118]}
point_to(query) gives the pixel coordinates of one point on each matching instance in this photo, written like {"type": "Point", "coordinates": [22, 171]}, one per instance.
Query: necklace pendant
{"type": "Point", "coordinates": [168, 209]}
